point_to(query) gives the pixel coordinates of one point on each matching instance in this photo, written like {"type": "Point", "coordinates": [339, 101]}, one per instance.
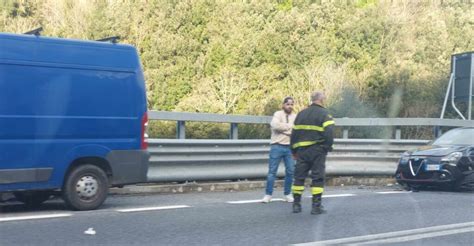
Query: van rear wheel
{"type": "Point", "coordinates": [85, 188]}
{"type": "Point", "coordinates": [32, 198]}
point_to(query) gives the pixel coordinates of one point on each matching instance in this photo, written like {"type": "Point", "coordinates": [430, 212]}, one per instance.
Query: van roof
{"type": "Point", "coordinates": [67, 52]}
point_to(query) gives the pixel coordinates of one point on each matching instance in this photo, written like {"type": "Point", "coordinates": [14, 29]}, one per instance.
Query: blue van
{"type": "Point", "coordinates": [73, 118]}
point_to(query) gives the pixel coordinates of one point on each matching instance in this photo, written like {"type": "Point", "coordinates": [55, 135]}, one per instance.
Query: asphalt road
{"type": "Point", "coordinates": [355, 217]}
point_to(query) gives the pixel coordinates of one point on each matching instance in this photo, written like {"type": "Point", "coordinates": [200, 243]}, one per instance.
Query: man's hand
{"type": "Point", "coordinates": [295, 156]}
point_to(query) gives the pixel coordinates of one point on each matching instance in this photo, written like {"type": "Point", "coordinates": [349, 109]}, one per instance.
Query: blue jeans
{"type": "Point", "coordinates": [278, 152]}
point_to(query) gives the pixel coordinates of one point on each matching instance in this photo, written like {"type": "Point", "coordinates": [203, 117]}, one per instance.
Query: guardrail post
{"type": "Point", "coordinates": [345, 133]}
{"type": "Point", "coordinates": [180, 130]}
{"type": "Point", "coordinates": [234, 131]}
{"type": "Point", "coordinates": [437, 131]}
{"type": "Point", "coordinates": [398, 133]}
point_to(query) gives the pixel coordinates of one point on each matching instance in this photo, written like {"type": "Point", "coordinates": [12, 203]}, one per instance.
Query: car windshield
{"type": "Point", "coordinates": [456, 137]}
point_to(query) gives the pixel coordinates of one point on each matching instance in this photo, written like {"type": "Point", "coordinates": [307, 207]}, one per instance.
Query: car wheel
{"type": "Point", "coordinates": [405, 186]}
{"type": "Point", "coordinates": [86, 188]}
{"type": "Point", "coordinates": [32, 198]}
{"type": "Point", "coordinates": [414, 187]}
{"type": "Point", "coordinates": [467, 183]}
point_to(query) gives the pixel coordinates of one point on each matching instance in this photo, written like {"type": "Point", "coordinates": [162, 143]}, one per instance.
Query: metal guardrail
{"type": "Point", "coordinates": [181, 159]}
{"type": "Point", "coordinates": [174, 160]}
{"type": "Point", "coordinates": [234, 120]}
{"type": "Point", "coordinates": [249, 119]}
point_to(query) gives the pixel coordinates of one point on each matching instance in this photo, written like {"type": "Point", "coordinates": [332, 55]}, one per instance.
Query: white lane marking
{"type": "Point", "coordinates": [34, 217]}
{"type": "Point", "coordinates": [418, 237]}
{"type": "Point", "coordinates": [282, 200]}
{"type": "Point", "coordinates": [128, 210]}
{"type": "Point", "coordinates": [338, 195]}
{"type": "Point", "coordinates": [392, 235]}
{"type": "Point", "coordinates": [335, 195]}
{"type": "Point", "coordinates": [324, 196]}
{"type": "Point", "coordinates": [254, 201]}
{"type": "Point", "coordinates": [393, 192]}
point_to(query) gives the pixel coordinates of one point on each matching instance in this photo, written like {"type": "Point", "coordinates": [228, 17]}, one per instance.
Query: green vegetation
{"type": "Point", "coordinates": [243, 57]}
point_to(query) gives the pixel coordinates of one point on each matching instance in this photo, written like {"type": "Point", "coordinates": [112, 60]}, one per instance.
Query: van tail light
{"type": "Point", "coordinates": [144, 137]}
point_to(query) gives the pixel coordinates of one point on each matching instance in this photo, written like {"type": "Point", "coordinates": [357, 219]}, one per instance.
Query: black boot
{"type": "Point", "coordinates": [317, 208]}
{"type": "Point", "coordinates": [297, 203]}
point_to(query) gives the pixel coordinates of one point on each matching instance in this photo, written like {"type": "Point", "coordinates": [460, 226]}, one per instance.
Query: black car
{"type": "Point", "coordinates": [448, 162]}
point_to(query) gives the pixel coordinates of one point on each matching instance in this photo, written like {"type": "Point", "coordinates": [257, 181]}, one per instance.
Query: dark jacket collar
{"type": "Point", "coordinates": [316, 105]}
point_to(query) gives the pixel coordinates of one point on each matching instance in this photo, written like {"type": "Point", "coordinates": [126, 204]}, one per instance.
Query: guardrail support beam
{"type": "Point", "coordinates": [398, 133]}
{"type": "Point", "coordinates": [345, 133]}
{"type": "Point", "coordinates": [180, 130]}
{"type": "Point", "coordinates": [437, 131]}
{"type": "Point", "coordinates": [234, 131]}
{"type": "Point", "coordinates": [344, 123]}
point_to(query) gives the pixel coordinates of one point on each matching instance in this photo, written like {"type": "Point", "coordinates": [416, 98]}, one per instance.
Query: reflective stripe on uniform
{"type": "Point", "coordinates": [317, 190]}
{"type": "Point", "coordinates": [308, 127]}
{"type": "Point", "coordinates": [328, 123]}
{"type": "Point", "coordinates": [297, 189]}
{"type": "Point", "coordinates": [313, 127]}
{"type": "Point", "coordinates": [305, 144]}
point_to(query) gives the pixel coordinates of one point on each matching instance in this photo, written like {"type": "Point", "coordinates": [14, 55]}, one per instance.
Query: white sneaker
{"type": "Point", "coordinates": [289, 198]}
{"type": "Point", "coordinates": [267, 199]}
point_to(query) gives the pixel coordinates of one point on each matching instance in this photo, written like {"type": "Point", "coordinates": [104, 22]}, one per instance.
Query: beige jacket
{"type": "Point", "coordinates": [281, 126]}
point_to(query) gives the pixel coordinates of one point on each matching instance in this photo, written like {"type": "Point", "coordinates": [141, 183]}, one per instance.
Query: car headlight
{"type": "Point", "coordinates": [405, 158]}
{"type": "Point", "coordinates": [452, 158]}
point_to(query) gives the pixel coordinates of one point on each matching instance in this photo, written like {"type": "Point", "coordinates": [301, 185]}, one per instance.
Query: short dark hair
{"type": "Point", "coordinates": [317, 95]}
{"type": "Point", "coordinates": [288, 99]}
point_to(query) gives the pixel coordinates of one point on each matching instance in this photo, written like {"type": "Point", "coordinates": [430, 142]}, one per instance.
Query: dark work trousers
{"type": "Point", "coordinates": [311, 158]}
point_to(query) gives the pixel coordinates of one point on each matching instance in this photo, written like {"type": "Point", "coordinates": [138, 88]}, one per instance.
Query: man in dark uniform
{"type": "Point", "coordinates": [311, 140]}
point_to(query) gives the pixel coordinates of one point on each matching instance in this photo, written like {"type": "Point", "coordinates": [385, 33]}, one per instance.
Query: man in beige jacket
{"type": "Point", "coordinates": [281, 125]}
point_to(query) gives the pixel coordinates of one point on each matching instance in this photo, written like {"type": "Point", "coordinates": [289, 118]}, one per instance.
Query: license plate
{"type": "Point", "coordinates": [433, 167]}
